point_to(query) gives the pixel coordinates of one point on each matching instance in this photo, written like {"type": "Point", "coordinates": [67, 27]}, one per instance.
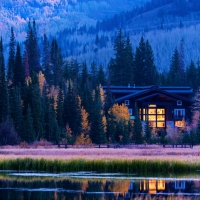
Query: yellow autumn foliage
{"type": "Point", "coordinates": [84, 138]}
{"type": "Point", "coordinates": [120, 112]}
{"type": "Point", "coordinates": [41, 80]}
{"type": "Point", "coordinates": [85, 124]}
{"type": "Point", "coordinates": [28, 80]}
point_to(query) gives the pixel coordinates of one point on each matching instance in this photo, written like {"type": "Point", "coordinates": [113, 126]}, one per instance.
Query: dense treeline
{"type": "Point", "coordinates": [44, 96]}
{"type": "Point", "coordinates": [138, 68]}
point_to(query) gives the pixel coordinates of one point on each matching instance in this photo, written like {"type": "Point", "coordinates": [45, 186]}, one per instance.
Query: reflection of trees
{"type": "Point", "coordinates": [85, 189]}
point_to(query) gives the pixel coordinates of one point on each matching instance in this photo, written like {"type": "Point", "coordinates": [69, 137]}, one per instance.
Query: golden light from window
{"type": "Point", "coordinates": [160, 124]}
{"type": "Point", "coordinates": [179, 123]}
{"type": "Point", "coordinates": [160, 117]}
{"type": "Point", "coordinates": [153, 124]}
{"type": "Point", "coordinates": [160, 111]}
{"type": "Point", "coordinates": [151, 111]}
{"type": "Point", "coordinates": [152, 186]}
{"type": "Point", "coordinates": [161, 185]}
{"type": "Point", "coordinates": [152, 117]}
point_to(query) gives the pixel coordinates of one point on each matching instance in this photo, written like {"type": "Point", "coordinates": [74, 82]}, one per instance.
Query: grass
{"type": "Point", "coordinates": [123, 166]}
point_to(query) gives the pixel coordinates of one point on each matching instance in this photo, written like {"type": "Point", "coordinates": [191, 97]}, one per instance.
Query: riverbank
{"type": "Point", "coordinates": [153, 152]}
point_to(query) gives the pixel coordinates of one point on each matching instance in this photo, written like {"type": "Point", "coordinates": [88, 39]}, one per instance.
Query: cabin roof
{"type": "Point", "coordinates": [141, 93]}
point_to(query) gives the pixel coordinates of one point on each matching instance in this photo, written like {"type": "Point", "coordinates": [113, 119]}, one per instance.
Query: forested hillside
{"type": "Point", "coordinates": [46, 96]}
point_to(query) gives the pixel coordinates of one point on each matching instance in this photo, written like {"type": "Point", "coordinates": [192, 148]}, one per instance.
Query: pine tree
{"type": "Point", "coordinates": [59, 107]}
{"type": "Point", "coordinates": [16, 109]}
{"type": "Point", "coordinates": [57, 62]}
{"type": "Point", "coordinates": [36, 50]}
{"type": "Point", "coordinates": [129, 64]}
{"type": "Point", "coordinates": [97, 132]}
{"type": "Point", "coordinates": [151, 74]}
{"type": "Point", "coordinates": [118, 63]}
{"type": "Point", "coordinates": [18, 70]}
{"type": "Point", "coordinates": [32, 48]}
{"type": "Point", "coordinates": [72, 110]}
{"type": "Point", "coordinates": [101, 76]}
{"type": "Point", "coordinates": [11, 58]}
{"type": "Point", "coordinates": [29, 132]}
{"type": "Point", "coordinates": [36, 107]}
{"type": "Point", "coordinates": [174, 72]}
{"type": "Point", "coordinates": [94, 74]}
{"type": "Point", "coordinates": [140, 59]}
{"type": "Point", "coordinates": [46, 61]}
{"type": "Point", "coordinates": [181, 62]}
{"type": "Point", "coordinates": [192, 76]}
{"type": "Point", "coordinates": [3, 87]}
{"type": "Point", "coordinates": [26, 65]}
{"type": "Point", "coordinates": [145, 71]}
{"type": "Point", "coordinates": [137, 128]}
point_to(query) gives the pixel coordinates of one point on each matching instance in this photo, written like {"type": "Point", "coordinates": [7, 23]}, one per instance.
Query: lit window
{"type": "Point", "coordinates": [179, 103]}
{"type": "Point", "coordinates": [127, 102]}
{"type": "Point", "coordinates": [130, 111]}
{"type": "Point", "coordinates": [153, 124]}
{"type": "Point", "coordinates": [160, 124]}
{"type": "Point", "coordinates": [160, 111]}
{"type": "Point", "coordinates": [152, 117]}
{"type": "Point", "coordinates": [179, 123]}
{"type": "Point", "coordinates": [152, 111]}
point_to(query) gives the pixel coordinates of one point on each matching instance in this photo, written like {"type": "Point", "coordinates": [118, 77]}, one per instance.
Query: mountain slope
{"type": "Point", "coordinates": [55, 15]}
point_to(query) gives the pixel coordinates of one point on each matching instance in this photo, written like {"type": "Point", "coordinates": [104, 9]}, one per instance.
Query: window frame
{"type": "Point", "coordinates": [127, 102]}
{"type": "Point", "coordinates": [179, 102]}
{"type": "Point", "coordinates": [130, 110]}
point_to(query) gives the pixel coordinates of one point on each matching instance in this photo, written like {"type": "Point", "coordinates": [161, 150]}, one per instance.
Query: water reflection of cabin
{"type": "Point", "coordinates": [162, 106]}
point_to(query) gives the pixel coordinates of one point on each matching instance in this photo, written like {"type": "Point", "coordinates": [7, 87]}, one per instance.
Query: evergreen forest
{"type": "Point", "coordinates": [46, 97]}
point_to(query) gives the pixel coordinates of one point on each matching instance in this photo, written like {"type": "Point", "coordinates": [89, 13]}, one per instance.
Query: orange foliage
{"type": "Point", "coordinates": [120, 112]}
{"type": "Point", "coordinates": [85, 124]}
{"type": "Point", "coordinates": [84, 138]}
{"type": "Point", "coordinates": [41, 80]}
{"type": "Point", "coordinates": [54, 93]}
{"type": "Point", "coordinates": [28, 80]}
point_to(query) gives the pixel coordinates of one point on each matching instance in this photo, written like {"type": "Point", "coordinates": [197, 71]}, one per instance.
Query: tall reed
{"type": "Point", "coordinates": [124, 166]}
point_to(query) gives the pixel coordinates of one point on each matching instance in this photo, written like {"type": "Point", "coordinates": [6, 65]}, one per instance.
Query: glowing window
{"type": "Point", "coordinates": [153, 124]}
{"type": "Point", "coordinates": [160, 117]}
{"type": "Point", "coordinates": [151, 111]}
{"type": "Point", "coordinates": [160, 111]}
{"type": "Point", "coordinates": [160, 124]}
{"type": "Point", "coordinates": [130, 111]}
{"type": "Point", "coordinates": [179, 123]}
{"type": "Point", "coordinates": [152, 117]}
{"type": "Point", "coordinates": [161, 185]}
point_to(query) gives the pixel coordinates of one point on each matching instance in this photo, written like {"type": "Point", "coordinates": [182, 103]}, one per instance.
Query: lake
{"type": "Point", "coordinates": [90, 185]}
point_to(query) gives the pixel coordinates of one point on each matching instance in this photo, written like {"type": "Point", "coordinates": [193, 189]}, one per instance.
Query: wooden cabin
{"type": "Point", "coordinates": [162, 106]}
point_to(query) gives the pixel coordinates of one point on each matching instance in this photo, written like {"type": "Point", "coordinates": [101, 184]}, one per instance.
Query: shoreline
{"type": "Point", "coordinates": [153, 152]}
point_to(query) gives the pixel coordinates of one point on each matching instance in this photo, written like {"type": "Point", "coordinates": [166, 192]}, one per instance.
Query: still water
{"type": "Point", "coordinates": [91, 185]}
